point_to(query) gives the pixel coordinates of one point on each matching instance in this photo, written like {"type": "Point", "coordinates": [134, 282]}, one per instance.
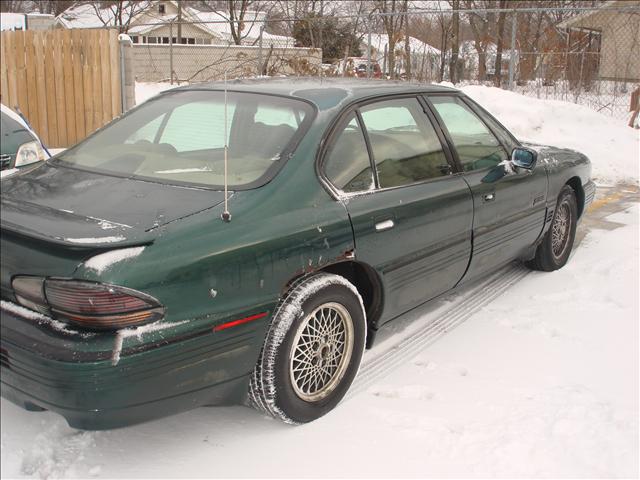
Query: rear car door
{"type": "Point", "coordinates": [509, 203]}
{"type": "Point", "coordinates": [411, 215]}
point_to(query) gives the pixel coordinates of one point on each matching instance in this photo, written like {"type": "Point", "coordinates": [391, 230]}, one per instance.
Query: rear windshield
{"type": "Point", "coordinates": [179, 137]}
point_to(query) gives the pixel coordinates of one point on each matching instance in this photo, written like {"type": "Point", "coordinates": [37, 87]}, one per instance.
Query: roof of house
{"type": "Point", "coordinates": [608, 5]}
{"type": "Point", "coordinates": [381, 40]}
{"type": "Point", "coordinates": [87, 16]}
{"type": "Point", "coordinates": [214, 23]}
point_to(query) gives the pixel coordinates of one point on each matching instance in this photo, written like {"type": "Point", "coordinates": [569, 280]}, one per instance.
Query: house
{"type": "Point", "coordinates": [26, 21]}
{"type": "Point", "coordinates": [616, 35]}
{"type": "Point", "coordinates": [154, 22]}
{"type": "Point", "coordinates": [424, 57]}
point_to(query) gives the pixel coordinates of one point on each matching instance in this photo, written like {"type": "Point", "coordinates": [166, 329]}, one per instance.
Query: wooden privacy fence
{"type": "Point", "coordinates": [66, 82]}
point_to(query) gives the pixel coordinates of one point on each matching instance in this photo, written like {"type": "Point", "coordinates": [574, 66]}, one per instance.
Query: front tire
{"type": "Point", "coordinates": [312, 350]}
{"type": "Point", "coordinates": [555, 248]}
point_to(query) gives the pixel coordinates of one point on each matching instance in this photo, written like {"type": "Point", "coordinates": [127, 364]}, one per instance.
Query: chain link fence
{"type": "Point", "coordinates": [587, 55]}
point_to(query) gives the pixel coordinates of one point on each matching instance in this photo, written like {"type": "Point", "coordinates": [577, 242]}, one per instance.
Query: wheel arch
{"type": "Point", "coordinates": [366, 281]}
{"type": "Point", "coordinates": [576, 184]}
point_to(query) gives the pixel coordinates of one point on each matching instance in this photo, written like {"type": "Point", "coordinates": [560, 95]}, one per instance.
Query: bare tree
{"type": "Point", "coordinates": [455, 41]}
{"type": "Point", "coordinates": [480, 23]}
{"type": "Point", "coordinates": [241, 15]}
{"type": "Point", "coordinates": [53, 7]}
{"type": "Point", "coordinates": [445, 23]}
{"type": "Point", "coordinates": [13, 6]}
{"type": "Point", "coordinates": [392, 21]}
{"type": "Point", "coordinates": [407, 43]}
{"type": "Point", "coordinates": [500, 43]}
{"type": "Point", "coordinates": [119, 13]}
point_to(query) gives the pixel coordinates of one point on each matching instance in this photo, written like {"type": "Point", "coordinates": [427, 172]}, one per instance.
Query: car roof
{"type": "Point", "coordinates": [325, 93]}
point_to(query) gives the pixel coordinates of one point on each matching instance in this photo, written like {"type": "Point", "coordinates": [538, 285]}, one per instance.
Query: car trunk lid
{"type": "Point", "coordinates": [81, 209]}
{"type": "Point", "coordinates": [53, 217]}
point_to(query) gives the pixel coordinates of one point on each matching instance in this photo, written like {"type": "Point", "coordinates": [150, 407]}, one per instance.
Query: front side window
{"type": "Point", "coordinates": [477, 147]}
{"type": "Point", "coordinates": [180, 137]}
{"type": "Point", "coordinates": [347, 163]}
{"type": "Point", "coordinates": [405, 146]}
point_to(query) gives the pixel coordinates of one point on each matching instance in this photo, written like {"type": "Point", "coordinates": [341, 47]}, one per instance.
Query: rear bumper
{"type": "Point", "coordinates": [44, 368]}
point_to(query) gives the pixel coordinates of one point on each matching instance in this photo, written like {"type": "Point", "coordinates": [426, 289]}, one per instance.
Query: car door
{"type": "Point", "coordinates": [411, 215]}
{"type": "Point", "coordinates": [509, 202]}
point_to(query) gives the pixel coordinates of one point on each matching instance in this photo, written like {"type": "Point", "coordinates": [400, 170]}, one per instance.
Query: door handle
{"type": "Point", "coordinates": [489, 197]}
{"type": "Point", "coordinates": [385, 225]}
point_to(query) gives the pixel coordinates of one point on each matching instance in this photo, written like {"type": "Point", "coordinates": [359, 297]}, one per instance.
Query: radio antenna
{"type": "Point", "coordinates": [226, 216]}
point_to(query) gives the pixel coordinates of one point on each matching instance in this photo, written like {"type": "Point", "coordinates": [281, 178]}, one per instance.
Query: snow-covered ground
{"type": "Point", "coordinates": [540, 381]}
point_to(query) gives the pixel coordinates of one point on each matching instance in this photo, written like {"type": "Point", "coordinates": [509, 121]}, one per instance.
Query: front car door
{"type": "Point", "coordinates": [509, 203]}
{"type": "Point", "coordinates": [411, 215]}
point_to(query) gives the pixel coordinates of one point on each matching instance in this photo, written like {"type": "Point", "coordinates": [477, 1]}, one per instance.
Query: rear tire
{"type": "Point", "coordinates": [555, 248]}
{"type": "Point", "coordinates": [312, 350]}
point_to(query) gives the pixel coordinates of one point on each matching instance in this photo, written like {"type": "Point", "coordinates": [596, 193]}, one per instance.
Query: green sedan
{"type": "Point", "coordinates": [244, 243]}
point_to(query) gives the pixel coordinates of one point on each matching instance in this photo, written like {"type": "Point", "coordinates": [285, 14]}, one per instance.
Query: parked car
{"type": "Point", "coordinates": [19, 144]}
{"type": "Point", "coordinates": [134, 288]}
{"type": "Point", "coordinates": [376, 71]}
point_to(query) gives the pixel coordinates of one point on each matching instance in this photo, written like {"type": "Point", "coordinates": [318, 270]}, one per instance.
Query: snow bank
{"type": "Point", "coordinates": [612, 146]}
{"type": "Point", "coordinates": [146, 90]}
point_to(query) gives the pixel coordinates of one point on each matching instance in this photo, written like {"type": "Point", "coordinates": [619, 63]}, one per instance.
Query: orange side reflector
{"type": "Point", "coordinates": [233, 323]}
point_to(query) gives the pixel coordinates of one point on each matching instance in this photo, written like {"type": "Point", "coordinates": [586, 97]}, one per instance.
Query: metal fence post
{"type": "Point", "coordinates": [259, 72]}
{"type": "Point", "coordinates": [512, 57]}
{"type": "Point", "coordinates": [171, 51]}
{"type": "Point", "coordinates": [127, 76]}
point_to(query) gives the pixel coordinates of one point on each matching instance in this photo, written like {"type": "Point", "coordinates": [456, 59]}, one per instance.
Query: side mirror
{"type": "Point", "coordinates": [524, 157]}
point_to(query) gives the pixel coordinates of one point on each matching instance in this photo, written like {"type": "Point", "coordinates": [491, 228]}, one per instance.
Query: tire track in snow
{"type": "Point", "coordinates": [446, 319]}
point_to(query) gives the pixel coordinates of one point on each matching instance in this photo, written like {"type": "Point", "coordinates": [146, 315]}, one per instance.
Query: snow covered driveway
{"type": "Point", "coordinates": [540, 378]}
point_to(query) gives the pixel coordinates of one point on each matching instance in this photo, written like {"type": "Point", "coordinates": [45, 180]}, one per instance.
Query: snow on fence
{"type": "Point", "coordinates": [66, 82]}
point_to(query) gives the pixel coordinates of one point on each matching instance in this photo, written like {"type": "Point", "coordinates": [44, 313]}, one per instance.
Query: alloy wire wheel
{"type": "Point", "coordinates": [312, 350]}
{"type": "Point", "coordinates": [554, 249]}
{"type": "Point", "coordinates": [560, 229]}
{"type": "Point", "coordinates": [321, 351]}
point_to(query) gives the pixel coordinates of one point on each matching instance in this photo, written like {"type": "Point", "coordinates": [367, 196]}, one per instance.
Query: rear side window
{"type": "Point", "coordinates": [405, 146]}
{"type": "Point", "coordinates": [476, 146]}
{"type": "Point", "coordinates": [347, 163]}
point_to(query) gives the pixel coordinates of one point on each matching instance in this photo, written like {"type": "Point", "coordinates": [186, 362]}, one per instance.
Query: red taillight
{"type": "Point", "coordinates": [89, 304]}
{"type": "Point", "coordinates": [90, 298]}
{"type": "Point", "coordinates": [96, 305]}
